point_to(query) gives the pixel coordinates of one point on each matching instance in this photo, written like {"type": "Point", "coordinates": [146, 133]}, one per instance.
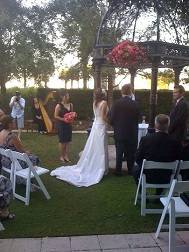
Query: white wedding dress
{"type": "Point", "coordinates": [93, 163]}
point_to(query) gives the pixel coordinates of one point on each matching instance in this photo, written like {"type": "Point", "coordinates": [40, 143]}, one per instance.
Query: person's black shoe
{"type": "Point", "coordinates": [118, 173]}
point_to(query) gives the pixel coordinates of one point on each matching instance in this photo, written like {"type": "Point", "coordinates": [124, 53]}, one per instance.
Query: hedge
{"type": "Point", "coordinates": [82, 100]}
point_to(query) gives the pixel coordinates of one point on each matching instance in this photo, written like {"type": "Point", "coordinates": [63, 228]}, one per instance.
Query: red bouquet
{"type": "Point", "coordinates": [127, 54]}
{"type": "Point", "coordinates": [69, 117]}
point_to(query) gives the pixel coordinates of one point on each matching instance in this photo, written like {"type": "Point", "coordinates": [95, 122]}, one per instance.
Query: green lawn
{"type": "Point", "coordinates": [106, 208]}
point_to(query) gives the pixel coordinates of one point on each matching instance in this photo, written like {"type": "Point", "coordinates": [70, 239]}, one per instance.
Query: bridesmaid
{"type": "Point", "coordinates": [64, 129]}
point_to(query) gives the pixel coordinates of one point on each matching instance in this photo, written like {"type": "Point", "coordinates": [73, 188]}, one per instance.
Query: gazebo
{"type": "Point", "coordinates": [161, 53]}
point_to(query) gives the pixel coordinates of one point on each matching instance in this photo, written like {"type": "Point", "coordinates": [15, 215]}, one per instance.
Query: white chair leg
{"type": "Point", "coordinates": [1, 227]}
{"type": "Point", "coordinates": [172, 243]}
{"type": "Point", "coordinates": [137, 192]}
{"type": "Point", "coordinates": [143, 198]}
{"type": "Point", "coordinates": [28, 190]}
{"type": "Point", "coordinates": [14, 185]}
{"type": "Point", "coordinates": [139, 184]}
{"type": "Point", "coordinates": [160, 223]}
{"type": "Point", "coordinates": [42, 186]}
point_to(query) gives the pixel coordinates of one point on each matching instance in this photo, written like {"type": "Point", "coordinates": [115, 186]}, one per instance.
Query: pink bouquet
{"type": "Point", "coordinates": [127, 54]}
{"type": "Point", "coordinates": [69, 117]}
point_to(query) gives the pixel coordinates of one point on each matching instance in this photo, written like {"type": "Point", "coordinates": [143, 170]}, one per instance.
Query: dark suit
{"type": "Point", "coordinates": [124, 116]}
{"type": "Point", "coordinates": [159, 147]}
{"type": "Point", "coordinates": [178, 120]}
{"type": "Point", "coordinates": [185, 157]}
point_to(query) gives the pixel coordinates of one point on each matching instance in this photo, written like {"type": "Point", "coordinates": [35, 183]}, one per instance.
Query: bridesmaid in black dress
{"type": "Point", "coordinates": [64, 129]}
{"type": "Point", "coordinates": [37, 116]}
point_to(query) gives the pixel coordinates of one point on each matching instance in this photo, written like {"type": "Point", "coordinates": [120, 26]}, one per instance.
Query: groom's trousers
{"type": "Point", "coordinates": [126, 148]}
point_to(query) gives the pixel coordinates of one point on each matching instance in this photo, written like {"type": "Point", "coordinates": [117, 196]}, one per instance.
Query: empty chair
{"type": "Point", "coordinates": [175, 207]}
{"type": "Point", "coordinates": [144, 185]}
{"type": "Point", "coordinates": [27, 174]}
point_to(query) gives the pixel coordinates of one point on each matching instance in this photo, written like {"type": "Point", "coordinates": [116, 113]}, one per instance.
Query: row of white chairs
{"type": "Point", "coordinates": [27, 174]}
{"type": "Point", "coordinates": [175, 168]}
{"type": "Point", "coordinates": [173, 204]}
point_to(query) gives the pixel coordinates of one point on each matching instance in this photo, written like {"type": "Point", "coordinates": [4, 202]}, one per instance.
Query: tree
{"type": "Point", "coordinates": [33, 48]}
{"type": "Point", "coordinates": [24, 40]}
{"type": "Point", "coordinates": [77, 21]}
{"type": "Point", "coordinates": [10, 13]}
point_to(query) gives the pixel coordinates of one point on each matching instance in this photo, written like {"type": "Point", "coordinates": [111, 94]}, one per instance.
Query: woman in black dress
{"type": "Point", "coordinates": [64, 129]}
{"type": "Point", "coordinates": [37, 116]}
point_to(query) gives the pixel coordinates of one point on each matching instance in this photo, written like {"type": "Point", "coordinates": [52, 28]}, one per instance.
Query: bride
{"type": "Point", "coordinates": [93, 163]}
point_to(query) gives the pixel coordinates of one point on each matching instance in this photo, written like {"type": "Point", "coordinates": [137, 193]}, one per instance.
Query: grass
{"type": "Point", "coordinates": [106, 208]}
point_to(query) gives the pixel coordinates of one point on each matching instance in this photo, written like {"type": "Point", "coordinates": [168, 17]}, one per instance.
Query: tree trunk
{"type": "Point", "coordinates": [65, 84]}
{"type": "Point", "coordinates": [71, 84]}
{"type": "Point", "coordinates": [25, 78]}
{"type": "Point", "coordinates": [85, 73]}
{"type": "Point", "coordinates": [3, 86]}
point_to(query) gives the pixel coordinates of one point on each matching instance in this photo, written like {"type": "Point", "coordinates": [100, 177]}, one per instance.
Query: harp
{"type": "Point", "coordinates": [48, 120]}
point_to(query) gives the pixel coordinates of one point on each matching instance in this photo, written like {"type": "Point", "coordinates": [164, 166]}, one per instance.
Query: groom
{"type": "Point", "coordinates": [124, 116]}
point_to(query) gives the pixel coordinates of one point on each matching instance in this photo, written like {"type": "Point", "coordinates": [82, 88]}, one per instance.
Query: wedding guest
{"type": "Point", "coordinates": [124, 118]}
{"type": "Point", "coordinates": [179, 115]}
{"type": "Point", "coordinates": [17, 104]}
{"type": "Point", "coordinates": [37, 116]}
{"type": "Point", "coordinates": [158, 147]}
{"type": "Point", "coordinates": [5, 198]}
{"type": "Point", "coordinates": [64, 129]}
{"type": "Point", "coordinates": [10, 140]}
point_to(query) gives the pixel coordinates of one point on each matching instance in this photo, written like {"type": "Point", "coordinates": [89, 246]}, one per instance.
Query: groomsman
{"type": "Point", "coordinates": [179, 115]}
{"type": "Point", "coordinates": [124, 117]}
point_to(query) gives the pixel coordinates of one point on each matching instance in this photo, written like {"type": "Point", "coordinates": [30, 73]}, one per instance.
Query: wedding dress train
{"type": "Point", "coordinates": [93, 162]}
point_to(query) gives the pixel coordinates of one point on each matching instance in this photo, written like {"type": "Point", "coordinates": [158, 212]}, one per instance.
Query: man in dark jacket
{"type": "Point", "coordinates": [159, 147]}
{"type": "Point", "coordinates": [124, 116]}
{"type": "Point", "coordinates": [179, 115]}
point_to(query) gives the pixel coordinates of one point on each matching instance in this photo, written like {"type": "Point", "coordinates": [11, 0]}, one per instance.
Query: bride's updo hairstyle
{"type": "Point", "coordinates": [99, 95]}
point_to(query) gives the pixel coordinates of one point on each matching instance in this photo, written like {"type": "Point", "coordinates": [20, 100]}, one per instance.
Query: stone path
{"type": "Point", "coordinates": [97, 243]}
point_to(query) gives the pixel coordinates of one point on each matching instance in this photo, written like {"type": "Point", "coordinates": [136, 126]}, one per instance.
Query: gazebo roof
{"type": "Point", "coordinates": [170, 55]}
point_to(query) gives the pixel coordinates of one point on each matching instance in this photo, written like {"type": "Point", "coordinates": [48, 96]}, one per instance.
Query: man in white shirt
{"type": "Point", "coordinates": [17, 103]}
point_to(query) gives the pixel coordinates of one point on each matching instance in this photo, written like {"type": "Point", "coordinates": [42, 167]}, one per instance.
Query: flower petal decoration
{"type": "Point", "coordinates": [127, 54]}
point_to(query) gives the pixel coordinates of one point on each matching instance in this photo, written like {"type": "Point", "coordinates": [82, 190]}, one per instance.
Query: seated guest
{"type": "Point", "coordinates": [5, 198]}
{"type": "Point", "coordinates": [10, 140]}
{"type": "Point", "coordinates": [159, 147]}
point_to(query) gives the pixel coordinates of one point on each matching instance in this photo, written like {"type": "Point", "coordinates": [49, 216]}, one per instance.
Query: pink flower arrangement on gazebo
{"type": "Point", "coordinates": [127, 54]}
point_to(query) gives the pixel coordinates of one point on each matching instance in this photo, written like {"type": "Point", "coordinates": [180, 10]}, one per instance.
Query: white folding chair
{"type": "Point", "coordinates": [27, 174]}
{"type": "Point", "coordinates": [175, 207]}
{"type": "Point", "coordinates": [183, 166]}
{"type": "Point", "coordinates": [7, 153]}
{"type": "Point", "coordinates": [151, 165]}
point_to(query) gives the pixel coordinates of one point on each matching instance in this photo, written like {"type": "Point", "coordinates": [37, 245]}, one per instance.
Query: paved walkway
{"type": "Point", "coordinates": [97, 243]}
